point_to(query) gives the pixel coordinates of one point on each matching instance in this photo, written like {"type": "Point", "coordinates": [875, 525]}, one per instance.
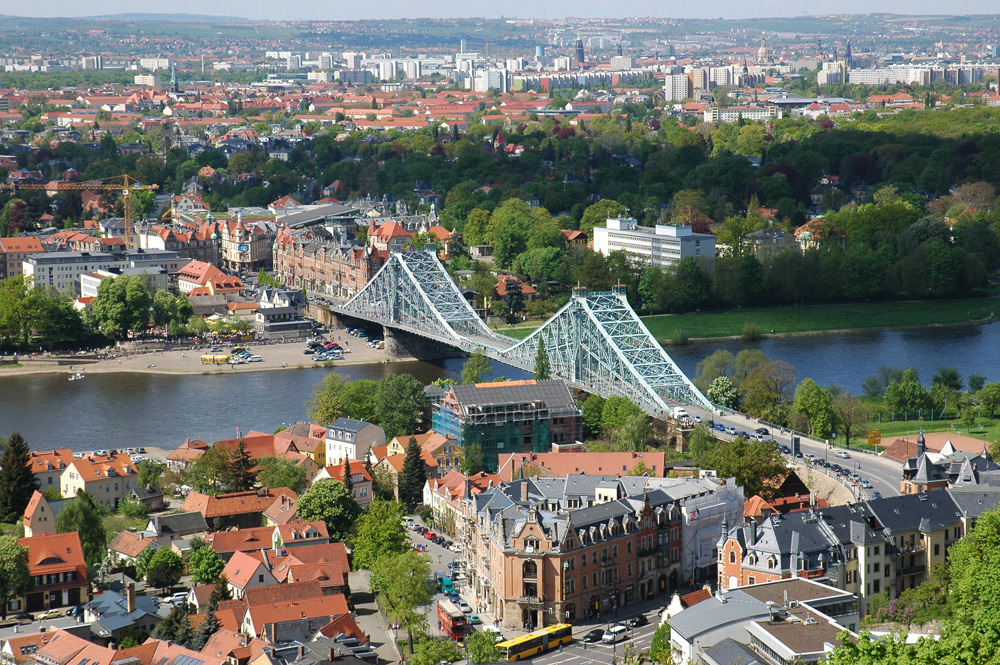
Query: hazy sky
{"type": "Point", "coordinates": [326, 9]}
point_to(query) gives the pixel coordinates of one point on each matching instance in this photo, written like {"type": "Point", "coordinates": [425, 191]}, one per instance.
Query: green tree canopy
{"type": "Point", "coordinates": [379, 533]}
{"type": "Point", "coordinates": [399, 403]}
{"type": "Point", "coordinates": [543, 370]}
{"type": "Point", "coordinates": [752, 463]}
{"type": "Point", "coordinates": [275, 472]}
{"type": "Point", "coordinates": [476, 368]}
{"type": "Point", "coordinates": [413, 476]}
{"type": "Point", "coordinates": [815, 403]}
{"type": "Point", "coordinates": [83, 516]}
{"type": "Point", "coordinates": [239, 469]}
{"type": "Point", "coordinates": [165, 567]}
{"type": "Point", "coordinates": [402, 583]}
{"type": "Point", "coordinates": [15, 578]}
{"type": "Point", "coordinates": [17, 482]}
{"type": "Point", "coordinates": [907, 393]}
{"type": "Point", "coordinates": [122, 304]}
{"type": "Point", "coordinates": [616, 411]}
{"type": "Point", "coordinates": [205, 565]}
{"type": "Point", "coordinates": [328, 500]}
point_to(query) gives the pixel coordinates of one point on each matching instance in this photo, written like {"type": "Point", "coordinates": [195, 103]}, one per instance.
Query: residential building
{"type": "Point", "coordinates": [393, 465]}
{"type": "Point", "coordinates": [278, 538]}
{"type": "Point", "coordinates": [150, 496]}
{"type": "Point", "coordinates": [677, 87]}
{"type": "Point", "coordinates": [361, 490]}
{"type": "Point", "coordinates": [14, 251]}
{"type": "Point", "coordinates": [60, 571]}
{"type": "Point", "coordinates": [48, 466]}
{"type": "Point", "coordinates": [125, 548]}
{"type": "Point", "coordinates": [165, 529]}
{"type": "Point", "coordinates": [732, 114]}
{"type": "Point", "coordinates": [561, 464]}
{"type": "Point", "coordinates": [347, 438]}
{"type": "Point", "coordinates": [547, 550]}
{"type": "Point", "coordinates": [260, 619]}
{"type": "Point", "coordinates": [335, 266]}
{"type": "Point", "coordinates": [200, 278]}
{"type": "Point", "coordinates": [660, 247]}
{"type": "Point", "coordinates": [244, 572]}
{"type": "Point", "coordinates": [389, 237]}
{"type": "Point", "coordinates": [62, 270]}
{"type": "Point", "coordinates": [19, 649]}
{"type": "Point", "coordinates": [509, 416]}
{"type": "Point", "coordinates": [948, 467]}
{"type": "Point", "coordinates": [106, 478]}
{"type": "Point", "coordinates": [246, 247]}
{"type": "Point", "coordinates": [64, 648]}
{"type": "Point", "coordinates": [111, 613]}
{"type": "Point", "coordinates": [446, 496]}
{"type": "Point", "coordinates": [308, 438]}
{"type": "Point", "coordinates": [443, 449]}
{"type": "Point", "coordinates": [774, 623]}
{"type": "Point", "coordinates": [242, 509]}
{"type": "Point", "coordinates": [40, 515]}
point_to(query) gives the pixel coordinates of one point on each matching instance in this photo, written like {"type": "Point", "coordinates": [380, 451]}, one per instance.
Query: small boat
{"type": "Point", "coordinates": [76, 377]}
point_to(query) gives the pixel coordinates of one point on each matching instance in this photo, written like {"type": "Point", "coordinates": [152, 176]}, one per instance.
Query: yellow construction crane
{"type": "Point", "coordinates": [126, 187]}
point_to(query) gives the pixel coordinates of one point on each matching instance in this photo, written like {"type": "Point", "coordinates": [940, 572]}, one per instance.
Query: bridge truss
{"type": "Point", "coordinates": [596, 342]}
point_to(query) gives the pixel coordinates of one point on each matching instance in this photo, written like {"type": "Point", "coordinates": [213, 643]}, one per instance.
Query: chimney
{"type": "Point", "coordinates": [130, 597]}
{"type": "Point", "coordinates": [524, 491]}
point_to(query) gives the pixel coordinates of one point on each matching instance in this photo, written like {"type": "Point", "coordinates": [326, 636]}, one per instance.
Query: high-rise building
{"type": "Point", "coordinates": [579, 53]}
{"type": "Point", "coordinates": [659, 247]}
{"type": "Point", "coordinates": [677, 87]}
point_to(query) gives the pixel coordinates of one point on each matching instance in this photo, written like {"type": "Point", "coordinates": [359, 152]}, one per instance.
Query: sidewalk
{"type": "Point", "coordinates": [369, 619]}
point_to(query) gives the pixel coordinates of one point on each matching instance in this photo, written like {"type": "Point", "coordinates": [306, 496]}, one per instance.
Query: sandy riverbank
{"type": "Point", "coordinates": [276, 357]}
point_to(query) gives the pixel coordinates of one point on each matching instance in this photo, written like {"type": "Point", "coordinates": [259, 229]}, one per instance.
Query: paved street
{"type": "Point", "coordinates": [883, 474]}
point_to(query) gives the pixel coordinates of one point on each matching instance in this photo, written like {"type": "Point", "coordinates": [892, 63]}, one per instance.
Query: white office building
{"type": "Point", "coordinates": [63, 270]}
{"type": "Point", "coordinates": [661, 246]}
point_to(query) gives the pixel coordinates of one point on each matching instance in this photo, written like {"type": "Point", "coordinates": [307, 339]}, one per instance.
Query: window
{"type": "Point", "coordinates": [595, 579]}
{"type": "Point", "coordinates": [937, 549]}
{"type": "Point", "coordinates": [628, 546]}
{"type": "Point", "coordinates": [260, 578]}
{"type": "Point", "coordinates": [878, 585]}
{"type": "Point", "coordinates": [630, 568]}
{"type": "Point", "coordinates": [751, 580]}
{"type": "Point", "coordinates": [583, 581]}
{"type": "Point", "coordinates": [614, 551]}
{"type": "Point", "coordinates": [732, 556]}
{"type": "Point", "coordinates": [583, 561]}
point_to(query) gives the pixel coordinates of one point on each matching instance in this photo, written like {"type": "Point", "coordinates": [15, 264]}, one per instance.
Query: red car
{"type": "Point", "coordinates": [430, 535]}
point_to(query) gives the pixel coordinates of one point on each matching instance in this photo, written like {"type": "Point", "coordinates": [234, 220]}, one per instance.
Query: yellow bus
{"type": "Point", "coordinates": [212, 359]}
{"type": "Point", "coordinates": [540, 641]}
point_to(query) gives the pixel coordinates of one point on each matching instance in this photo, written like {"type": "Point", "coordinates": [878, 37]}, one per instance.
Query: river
{"type": "Point", "coordinates": [128, 410]}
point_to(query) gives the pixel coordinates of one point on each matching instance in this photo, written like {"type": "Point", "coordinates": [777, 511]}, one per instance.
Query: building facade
{"type": "Point", "coordinates": [508, 417]}
{"type": "Point", "coordinates": [660, 247]}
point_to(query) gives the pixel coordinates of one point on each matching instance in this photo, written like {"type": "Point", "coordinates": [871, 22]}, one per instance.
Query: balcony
{"type": "Point", "coordinates": [908, 548]}
{"type": "Point", "coordinates": [916, 569]}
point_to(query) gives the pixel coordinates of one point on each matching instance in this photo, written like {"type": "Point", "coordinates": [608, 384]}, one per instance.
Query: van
{"type": "Point", "coordinates": [615, 634]}
{"type": "Point", "coordinates": [447, 586]}
{"type": "Point", "coordinates": [680, 413]}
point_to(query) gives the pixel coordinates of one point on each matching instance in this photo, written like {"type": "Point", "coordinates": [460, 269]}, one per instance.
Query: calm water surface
{"type": "Point", "coordinates": [126, 410]}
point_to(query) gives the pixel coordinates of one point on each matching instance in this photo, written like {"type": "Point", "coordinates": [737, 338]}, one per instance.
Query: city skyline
{"type": "Point", "coordinates": [312, 9]}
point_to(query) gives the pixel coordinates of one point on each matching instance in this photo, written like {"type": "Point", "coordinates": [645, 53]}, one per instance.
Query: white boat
{"type": "Point", "coordinates": [76, 377]}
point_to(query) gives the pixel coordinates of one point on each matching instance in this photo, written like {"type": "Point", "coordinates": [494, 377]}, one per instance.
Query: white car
{"type": "Point", "coordinates": [615, 634]}
{"type": "Point", "coordinates": [842, 454]}
{"type": "Point", "coordinates": [454, 548]}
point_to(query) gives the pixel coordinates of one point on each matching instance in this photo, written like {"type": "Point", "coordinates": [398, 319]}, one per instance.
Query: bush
{"type": "Point", "coordinates": [680, 338]}
{"type": "Point", "coordinates": [751, 332]}
{"type": "Point", "coordinates": [131, 508]}
{"type": "Point", "coordinates": [426, 513]}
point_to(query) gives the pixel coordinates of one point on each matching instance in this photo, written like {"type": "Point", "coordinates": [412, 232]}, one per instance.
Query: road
{"type": "Point", "coordinates": [579, 653]}
{"type": "Point", "coordinates": [883, 474]}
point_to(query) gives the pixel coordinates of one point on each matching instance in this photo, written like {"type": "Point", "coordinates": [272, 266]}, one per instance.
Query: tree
{"type": "Point", "coordinates": [348, 477]}
{"type": "Point", "coordinates": [83, 516]}
{"type": "Point", "coordinates": [207, 473]}
{"type": "Point", "coordinates": [989, 397]}
{"type": "Point", "coordinates": [402, 583]}
{"type": "Point", "coordinates": [542, 368]}
{"type": "Point", "coordinates": [143, 560]}
{"type": "Point", "coordinates": [593, 415]}
{"type": "Point", "coordinates": [472, 459]}
{"type": "Point", "coordinates": [358, 398]}
{"type": "Point", "coordinates": [413, 476]}
{"type": "Point", "coordinates": [399, 403]}
{"type": "Point", "coordinates": [476, 368]}
{"type": "Point", "coordinates": [176, 627]}
{"type": "Point", "coordinates": [907, 393]}
{"type": "Point", "coordinates": [17, 482]}
{"type": "Point", "coordinates": [616, 411]}
{"type": "Point", "coordinates": [814, 402]}
{"type": "Point", "coordinates": [208, 627]}
{"type": "Point", "coordinates": [205, 565]}
{"type": "Point", "coordinates": [15, 578]}
{"type": "Point", "coordinates": [702, 440]}
{"type": "Point", "coordinates": [598, 214]}
{"type": "Point", "coordinates": [480, 647]}
{"type": "Point", "coordinates": [754, 464]}
{"type": "Point", "coordinates": [239, 470]}
{"type": "Point", "coordinates": [329, 500]}
{"type": "Point", "coordinates": [383, 483]}
{"type": "Point", "coordinates": [976, 382]}
{"type": "Point", "coordinates": [722, 392]}
{"type": "Point", "coordinates": [659, 647]}
{"type": "Point", "coordinates": [435, 650]}
{"type": "Point", "coordinates": [122, 304]}
{"type": "Point", "coordinates": [849, 415]}
{"type": "Point", "coordinates": [150, 471]}
{"type": "Point", "coordinates": [326, 404]}
{"type": "Point", "coordinates": [130, 507]}
{"type": "Point", "coordinates": [948, 377]}
{"type": "Point", "coordinates": [634, 434]}
{"type": "Point", "coordinates": [164, 569]}
{"type": "Point", "coordinates": [379, 533]}
{"type": "Point", "coordinates": [720, 363]}
{"type": "Point", "coordinates": [275, 472]}
{"type": "Point", "coordinates": [221, 591]}
{"type": "Point", "coordinates": [513, 298]}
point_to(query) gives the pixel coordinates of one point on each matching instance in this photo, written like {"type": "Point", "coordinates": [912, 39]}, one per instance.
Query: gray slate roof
{"type": "Point", "coordinates": [554, 394]}
{"type": "Point", "coordinates": [720, 610]}
{"type": "Point", "coordinates": [178, 523]}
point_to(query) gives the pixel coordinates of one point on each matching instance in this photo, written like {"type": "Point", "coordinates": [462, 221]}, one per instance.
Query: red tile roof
{"type": "Point", "coordinates": [130, 543]}
{"type": "Point", "coordinates": [56, 553]}
{"type": "Point", "coordinates": [331, 606]}
{"type": "Point", "coordinates": [568, 463]}
{"type": "Point", "coordinates": [237, 503]}
{"type": "Point", "coordinates": [241, 569]}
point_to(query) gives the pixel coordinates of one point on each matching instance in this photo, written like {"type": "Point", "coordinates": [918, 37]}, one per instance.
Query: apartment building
{"type": "Point", "coordinates": [508, 417]}
{"type": "Point", "coordinates": [677, 87]}
{"type": "Point", "coordinates": [547, 550]}
{"type": "Point", "coordinates": [732, 114]}
{"type": "Point", "coordinates": [660, 247]}
{"type": "Point", "coordinates": [14, 251]}
{"type": "Point", "coordinates": [62, 270]}
{"type": "Point", "coordinates": [106, 478]}
{"type": "Point", "coordinates": [348, 438]}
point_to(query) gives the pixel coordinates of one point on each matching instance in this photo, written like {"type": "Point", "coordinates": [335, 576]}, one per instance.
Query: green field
{"type": "Point", "coordinates": [818, 318]}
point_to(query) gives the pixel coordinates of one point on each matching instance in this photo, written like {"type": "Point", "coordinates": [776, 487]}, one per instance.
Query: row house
{"type": "Point", "coordinates": [335, 269]}
{"type": "Point", "coordinates": [48, 466]}
{"type": "Point", "coordinates": [13, 252]}
{"type": "Point", "coordinates": [106, 478]}
{"type": "Point", "coordinates": [60, 572]}
{"type": "Point", "coordinates": [547, 550]}
{"type": "Point", "coordinates": [882, 545]}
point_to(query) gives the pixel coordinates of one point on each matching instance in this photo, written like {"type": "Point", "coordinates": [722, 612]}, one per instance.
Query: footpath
{"type": "Point", "coordinates": [369, 619]}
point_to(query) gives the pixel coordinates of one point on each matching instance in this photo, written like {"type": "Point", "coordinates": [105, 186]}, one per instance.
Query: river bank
{"type": "Point", "coordinates": [275, 357]}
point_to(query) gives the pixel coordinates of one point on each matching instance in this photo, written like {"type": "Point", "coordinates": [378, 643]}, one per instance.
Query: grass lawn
{"type": "Point", "coordinates": [987, 429]}
{"type": "Point", "coordinates": [817, 318]}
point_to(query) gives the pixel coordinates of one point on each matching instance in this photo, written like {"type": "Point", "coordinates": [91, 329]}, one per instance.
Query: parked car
{"type": "Point", "coordinates": [51, 614]}
{"type": "Point", "coordinates": [639, 620]}
{"type": "Point", "coordinates": [464, 606]}
{"type": "Point", "coordinates": [615, 634]}
{"type": "Point", "coordinates": [430, 535]}
{"type": "Point", "coordinates": [8, 623]}
{"type": "Point", "coordinates": [474, 620]}
{"type": "Point", "coordinates": [762, 430]}
{"type": "Point", "coordinates": [308, 352]}
{"type": "Point", "coordinates": [866, 484]}
{"type": "Point", "coordinates": [730, 430]}
{"type": "Point", "coordinates": [593, 636]}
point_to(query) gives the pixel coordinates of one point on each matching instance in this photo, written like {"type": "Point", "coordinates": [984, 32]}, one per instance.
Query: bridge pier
{"type": "Point", "coordinates": [401, 344]}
